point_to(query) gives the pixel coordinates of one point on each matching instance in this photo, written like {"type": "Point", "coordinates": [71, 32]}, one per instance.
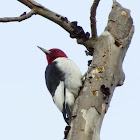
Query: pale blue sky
{"type": "Point", "coordinates": [27, 111]}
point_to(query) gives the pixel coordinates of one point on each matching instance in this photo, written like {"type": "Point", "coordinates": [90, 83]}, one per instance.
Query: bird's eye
{"type": "Point", "coordinates": [56, 51]}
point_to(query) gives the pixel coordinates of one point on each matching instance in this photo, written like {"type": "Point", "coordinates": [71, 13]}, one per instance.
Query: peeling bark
{"type": "Point", "coordinates": [105, 72]}
{"type": "Point", "coordinates": [104, 75]}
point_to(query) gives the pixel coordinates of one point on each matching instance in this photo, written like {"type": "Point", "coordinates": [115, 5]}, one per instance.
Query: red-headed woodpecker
{"type": "Point", "coordinates": [63, 80]}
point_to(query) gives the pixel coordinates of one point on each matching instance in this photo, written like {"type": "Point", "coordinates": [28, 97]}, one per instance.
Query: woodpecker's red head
{"type": "Point", "coordinates": [52, 54]}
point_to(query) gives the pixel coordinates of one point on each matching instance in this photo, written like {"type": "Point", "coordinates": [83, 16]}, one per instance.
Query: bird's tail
{"type": "Point", "coordinates": [67, 113]}
{"type": "Point", "coordinates": [68, 105]}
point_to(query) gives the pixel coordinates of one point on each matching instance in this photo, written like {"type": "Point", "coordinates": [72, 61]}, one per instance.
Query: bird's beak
{"type": "Point", "coordinates": [44, 50]}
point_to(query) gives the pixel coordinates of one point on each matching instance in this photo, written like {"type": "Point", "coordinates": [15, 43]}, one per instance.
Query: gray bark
{"type": "Point", "coordinates": [105, 72]}
{"type": "Point", "coordinates": [104, 75]}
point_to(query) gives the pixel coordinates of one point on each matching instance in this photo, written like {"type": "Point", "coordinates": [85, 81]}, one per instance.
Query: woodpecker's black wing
{"type": "Point", "coordinates": [53, 76]}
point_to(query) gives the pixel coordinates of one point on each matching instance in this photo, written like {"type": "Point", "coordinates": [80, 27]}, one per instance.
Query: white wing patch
{"type": "Point", "coordinates": [69, 98]}
{"type": "Point", "coordinates": [58, 97]}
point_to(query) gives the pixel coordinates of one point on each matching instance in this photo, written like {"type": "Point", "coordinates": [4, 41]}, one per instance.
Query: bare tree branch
{"type": "Point", "coordinates": [93, 18]}
{"type": "Point", "coordinates": [20, 18]}
{"type": "Point", "coordinates": [71, 27]}
{"type": "Point", "coordinates": [105, 71]}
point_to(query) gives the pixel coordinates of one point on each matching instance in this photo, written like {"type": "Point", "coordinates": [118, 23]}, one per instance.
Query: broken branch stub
{"type": "Point", "coordinates": [105, 71]}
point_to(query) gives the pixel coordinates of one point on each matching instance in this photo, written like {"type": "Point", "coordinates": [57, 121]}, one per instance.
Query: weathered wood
{"type": "Point", "coordinates": [104, 75]}
{"type": "Point", "coordinates": [105, 72]}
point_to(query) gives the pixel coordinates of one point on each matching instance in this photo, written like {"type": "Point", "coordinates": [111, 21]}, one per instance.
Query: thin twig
{"type": "Point", "coordinates": [20, 18]}
{"type": "Point", "coordinates": [93, 18]}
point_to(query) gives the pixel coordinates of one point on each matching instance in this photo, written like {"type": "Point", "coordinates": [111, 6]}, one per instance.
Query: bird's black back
{"type": "Point", "coordinates": [53, 76]}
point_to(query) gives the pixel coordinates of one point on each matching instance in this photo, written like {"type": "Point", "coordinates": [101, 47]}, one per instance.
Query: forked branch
{"type": "Point", "coordinates": [105, 72]}
{"type": "Point", "coordinates": [71, 27]}
{"type": "Point", "coordinates": [20, 18]}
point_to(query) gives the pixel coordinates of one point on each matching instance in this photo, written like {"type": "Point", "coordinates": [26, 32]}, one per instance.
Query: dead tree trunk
{"type": "Point", "coordinates": [105, 71]}
{"type": "Point", "coordinates": [104, 75]}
